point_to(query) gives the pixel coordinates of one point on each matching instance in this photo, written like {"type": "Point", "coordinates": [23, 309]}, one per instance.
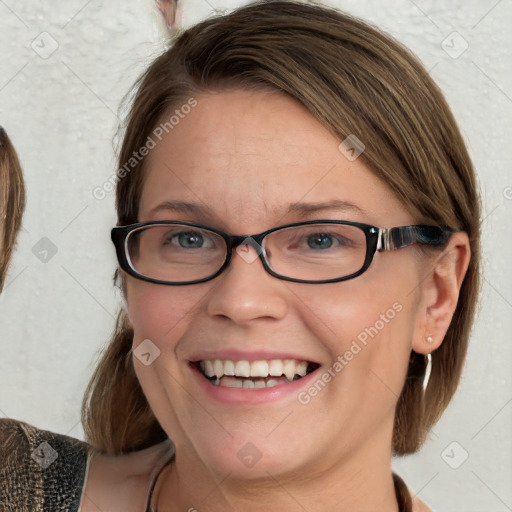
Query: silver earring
{"type": "Point", "coordinates": [428, 370]}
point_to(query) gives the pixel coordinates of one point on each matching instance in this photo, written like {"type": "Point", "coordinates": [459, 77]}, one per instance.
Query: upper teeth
{"type": "Point", "coordinates": [260, 368]}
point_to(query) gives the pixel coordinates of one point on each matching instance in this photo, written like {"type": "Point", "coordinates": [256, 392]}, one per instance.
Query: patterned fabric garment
{"type": "Point", "coordinates": [40, 471]}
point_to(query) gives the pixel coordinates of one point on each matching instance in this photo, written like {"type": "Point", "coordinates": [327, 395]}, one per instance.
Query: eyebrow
{"type": "Point", "coordinates": [302, 209]}
{"type": "Point", "coordinates": [336, 204]}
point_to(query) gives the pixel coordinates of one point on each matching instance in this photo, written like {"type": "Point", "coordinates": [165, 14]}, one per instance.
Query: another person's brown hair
{"type": "Point", "coordinates": [12, 201]}
{"type": "Point", "coordinates": [355, 80]}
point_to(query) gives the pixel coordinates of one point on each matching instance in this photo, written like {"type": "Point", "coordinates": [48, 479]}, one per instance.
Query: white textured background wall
{"type": "Point", "coordinates": [60, 110]}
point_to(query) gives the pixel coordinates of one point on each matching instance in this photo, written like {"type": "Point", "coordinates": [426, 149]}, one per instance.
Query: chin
{"type": "Point", "coordinates": [246, 458]}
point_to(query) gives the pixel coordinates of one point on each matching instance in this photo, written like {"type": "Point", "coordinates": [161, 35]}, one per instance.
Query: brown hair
{"type": "Point", "coordinates": [355, 80]}
{"type": "Point", "coordinates": [12, 201]}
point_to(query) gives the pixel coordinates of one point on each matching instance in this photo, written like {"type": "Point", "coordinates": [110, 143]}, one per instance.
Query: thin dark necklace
{"type": "Point", "coordinates": [402, 493]}
{"type": "Point", "coordinates": [149, 508]}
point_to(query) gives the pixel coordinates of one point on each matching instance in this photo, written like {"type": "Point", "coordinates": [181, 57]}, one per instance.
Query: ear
{"type": "Point", "coordinates": [440, 293]}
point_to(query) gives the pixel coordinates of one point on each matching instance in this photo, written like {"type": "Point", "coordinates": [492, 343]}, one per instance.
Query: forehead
{"type": "Point", "coordinates": [247, 155]}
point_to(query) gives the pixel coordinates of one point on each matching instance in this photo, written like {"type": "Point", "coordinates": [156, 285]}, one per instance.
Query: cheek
{"type": "Point", "coordinates": [360, 310]}
{"type": "Point", "coordinates": [160, 313]}
{"type": "Point", "coordinates": [370, 323]}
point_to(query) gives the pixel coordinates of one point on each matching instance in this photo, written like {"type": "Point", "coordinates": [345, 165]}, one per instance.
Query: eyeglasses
{"type": "Point", "coordinates": [323, 251]}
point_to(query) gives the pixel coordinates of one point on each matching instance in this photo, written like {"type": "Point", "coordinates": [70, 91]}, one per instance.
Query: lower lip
{"type": "Point", "coordinates": [252, 396]}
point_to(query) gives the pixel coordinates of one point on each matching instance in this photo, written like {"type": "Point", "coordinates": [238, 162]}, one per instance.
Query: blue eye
{"type": "Point", "coordinates": [320, 241]}
{"type": "Point", "coordinates": [190, 239]}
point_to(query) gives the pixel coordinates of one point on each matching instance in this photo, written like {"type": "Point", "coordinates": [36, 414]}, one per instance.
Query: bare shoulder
{"type": "Point", "coordinates": [121, 483]}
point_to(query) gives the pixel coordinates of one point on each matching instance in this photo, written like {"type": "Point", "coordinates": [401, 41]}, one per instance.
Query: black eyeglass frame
{"type": "Point", "coordinates": [377, 240]}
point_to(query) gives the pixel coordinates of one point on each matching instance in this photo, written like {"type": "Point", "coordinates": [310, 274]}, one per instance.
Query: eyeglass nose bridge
{"type": "Point", "coordinates": [234, 242]}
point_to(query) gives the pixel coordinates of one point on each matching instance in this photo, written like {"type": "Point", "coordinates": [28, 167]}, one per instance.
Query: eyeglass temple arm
{"type": "Point", "coordinates": [403, 236]}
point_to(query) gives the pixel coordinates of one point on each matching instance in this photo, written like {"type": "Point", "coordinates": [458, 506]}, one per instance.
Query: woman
{"type": "Point", "coordinates": [298, 235]}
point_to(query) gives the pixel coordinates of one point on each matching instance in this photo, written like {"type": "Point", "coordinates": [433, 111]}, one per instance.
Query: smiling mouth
{"type": "Point", "coordinates": [253, 374]}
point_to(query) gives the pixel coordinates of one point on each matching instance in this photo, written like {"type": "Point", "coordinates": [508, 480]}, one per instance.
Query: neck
{"type": "Point", "coordinates": [362, 482]}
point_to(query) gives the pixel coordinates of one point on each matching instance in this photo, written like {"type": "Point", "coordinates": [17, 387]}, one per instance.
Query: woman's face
{"type": "Point", "coordinates": [242, 159]}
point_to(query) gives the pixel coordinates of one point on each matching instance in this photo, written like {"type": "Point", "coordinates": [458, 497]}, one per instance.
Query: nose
{"type": "Point", "coordinates": [246, 292]}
